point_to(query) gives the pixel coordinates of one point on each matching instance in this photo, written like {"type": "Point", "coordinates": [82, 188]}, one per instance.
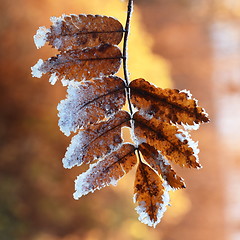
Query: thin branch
{"type": "Point", "coordinates": [125, 59]}
{"type": "Point", "coordinates": [125, 41]}
{"type": "Point", "coordinates": [125, 67]}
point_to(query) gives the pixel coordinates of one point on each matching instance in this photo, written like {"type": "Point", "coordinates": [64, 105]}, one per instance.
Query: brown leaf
{"type": "Point", "coordinates": [81, 65]}
{"type": "Point", "coordinates": [170, 105]}
{"type": "Point", "coordinates": [106, 172]}
{"type": "Point", "coordinates": [96, 141]}
{"type": "Point", "coordinates": [157, 161]}
{"type": "Point", "coordinates": [90, 102]}
{"type": "Point", "coordinates": [150, 195]}
{"type": "Point", "coordinates": [167, 138]}
{"type": "Point", "coordinates": [71, 32]}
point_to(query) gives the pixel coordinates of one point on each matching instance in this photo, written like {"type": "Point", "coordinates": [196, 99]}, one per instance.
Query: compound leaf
{"type": "Point", "coordinates": [87, 61]}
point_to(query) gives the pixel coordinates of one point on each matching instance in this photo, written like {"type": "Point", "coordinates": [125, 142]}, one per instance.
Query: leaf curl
{"type": "Point", "coordinates": [161, 165]}
{"type": "Point", "coordinates": [167, 138]}
{"type": "Point", "coordinates": [79, 65]}
{"type": "Point", "coordinates": [70, 32]}
{"type": "Point", "coordinates": [150, 194]}
{"type": "Point", "coordinates": [90, 102]}
{"type": "Point", "coordinates": [96, 141]}
{"type": "Point", "coordinates": [106, 172]}
{"type": "Point", "coordinates": [170, 105]}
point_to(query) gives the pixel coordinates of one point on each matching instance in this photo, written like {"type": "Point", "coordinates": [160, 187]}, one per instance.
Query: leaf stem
{"type": "Point", "coordinates": [125, 67]}
{"type": "Point", "coordinates": [125, 59]}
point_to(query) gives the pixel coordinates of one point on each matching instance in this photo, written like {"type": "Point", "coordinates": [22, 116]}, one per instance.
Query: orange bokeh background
{"type": "Point", "coordinates": [179, 43]}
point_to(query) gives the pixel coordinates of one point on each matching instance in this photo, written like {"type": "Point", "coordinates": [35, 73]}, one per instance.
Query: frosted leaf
{"type": "Point", "coordinates": [161, 165]}
{"type": "Point", "coordinates": [36, 72]}
{"type": "Point", "coordinates": [90, 102]}
{"type": "Point", "coordinates": [173, 143]}
{"type": "Point", "coordinates": [151, 195]}
{"type": "Point", "coordinates": [85, 64]}
{"type": "Point", "coordinates": [169, 105]}
{"type": "Point", "coordinates": [70, 32]}
{"type": "Point", "coordinates": [106, 172]}
{"type": "Point", "coordinates": [41, 37]}
{"type": "Point", "coordinates": [96, 141]}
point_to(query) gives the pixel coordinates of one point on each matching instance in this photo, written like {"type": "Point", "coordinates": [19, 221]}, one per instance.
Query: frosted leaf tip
{"type": "Point", "coordinates": [36, 72]}
{"type": "Point", "coordinates": [41, 37]}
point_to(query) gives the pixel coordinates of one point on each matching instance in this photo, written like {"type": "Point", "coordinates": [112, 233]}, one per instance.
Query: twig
{"type": "Point", "coordinates": [125, 59]}
{"type": "Point", "coordinates": [125, 41]}
{"type": "Point", "coordinates": [125, 67]}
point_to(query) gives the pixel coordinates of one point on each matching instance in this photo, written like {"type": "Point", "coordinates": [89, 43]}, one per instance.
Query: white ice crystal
{"type": "Point", "coordinates": [194, 126]}
{"type": "Point", "coordinates": [88, 182]}
{"type": "Point", "coordinates": [180, 137]}
{"type": "Point", "coordinates": [83, 99]}
{"type": "Point", "coordinates": [41, 37]}
{"type": "Point", "coordinates": [67, 110]}
{"type": "Point", "coordinates": [53, 79]}
{"type": "Point", "coordinates": [189, 95]}
{"type": "Point", "coordinates": [83, 183]}
{"type": "Point", "coordinates": [66, 82]}
{"type": "Point", "coordinates": [35, 69]}
{"type": "Point", "coordinates": [184, 135]}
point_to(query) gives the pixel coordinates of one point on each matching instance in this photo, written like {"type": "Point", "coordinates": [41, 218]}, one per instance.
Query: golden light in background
{"type": "Point", "coordinates": [227, 8]}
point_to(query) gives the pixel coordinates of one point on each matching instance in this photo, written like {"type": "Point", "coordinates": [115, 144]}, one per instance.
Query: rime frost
{"type": "Point", "coordinates": [106, 172]}
{"type": "Point", "coordinates": [88, 57]}
{"type": "Point", "coordinates": [194, 126]}
{"type": "Point", "coordinates": [184, 135]}
{"type": "Point", "coordinates": [40, 38]}
{"type": "Point", "coordinates": [35, 69]}
{"type": "Point", "coordinates": [53, 79]}
{"type": "Point", "coordinates": [188, 93]}
{"type": "Point", "coordinates": [103, 96]}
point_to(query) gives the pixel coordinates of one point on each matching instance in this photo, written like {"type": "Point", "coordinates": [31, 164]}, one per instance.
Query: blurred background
{"type": "Point", "coordinates": [192, 44]}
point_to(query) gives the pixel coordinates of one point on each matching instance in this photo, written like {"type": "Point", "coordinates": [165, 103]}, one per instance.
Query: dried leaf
{"type": "Point", "coordinates": [160, 164]}
{"type": "Point", "coordinates": [106, 172]}
{"type": "Point", "coordinates": [81, 65]}
{"type": "Point", "coordinates": [96, 141]}
{"type": "Point", "coordinates": [90, 102]}
{"type": "Point", "coordinates": [71, 32]}
{"type": "Point", "coordinates": [173, 143]}
{"type": "Point", "coordinates": [150, 194]}
{"type": "Point", "coordinates": [170, 105]}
